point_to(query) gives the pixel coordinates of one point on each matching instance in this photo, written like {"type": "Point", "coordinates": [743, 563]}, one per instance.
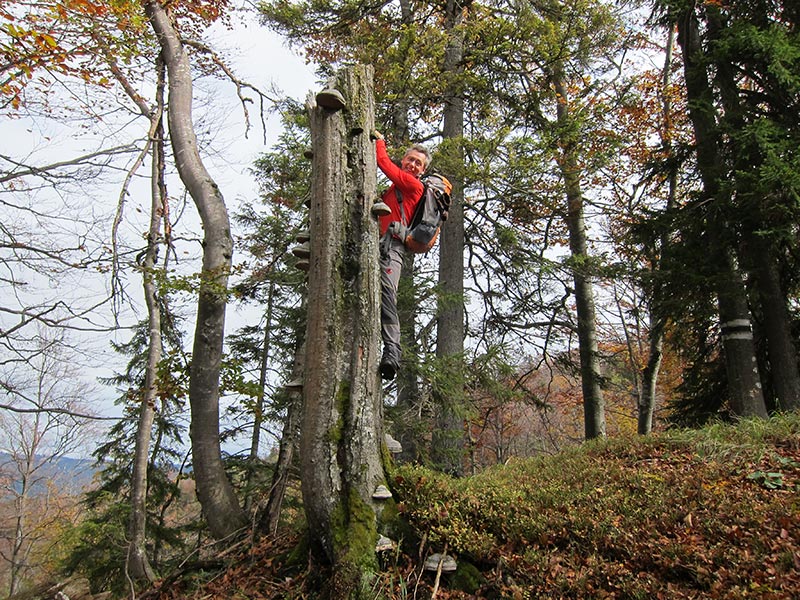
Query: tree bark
{"type": "Point", "coordinates": [289, 437]}
{"type": "Point", "coordinates": [777, 326]}
{"type": "Point", "coordinates": [647, 399]}
{"type": "Point", "coordinates": [447, 452]}
{"type": "Point", "coordinates": [744, 385]}
{"type": "Point", "coordinates": [341, 431]}
{"type": "Point", "coordinates": [215, 492]}
{"type": "Point", "coordinates": [593, 402]}
{"type": "Point", "coordinates": [138, 563]}
{"type": "Point", "coordinates": [756, 251]}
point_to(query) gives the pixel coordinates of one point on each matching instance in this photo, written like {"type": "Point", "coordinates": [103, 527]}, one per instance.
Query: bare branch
{"type": "Point", "coordinates": [240, 86]}
{"type": "Point", "coordinates": [48, 170]}
{"type": "Point", "coordinates": [54, 410]}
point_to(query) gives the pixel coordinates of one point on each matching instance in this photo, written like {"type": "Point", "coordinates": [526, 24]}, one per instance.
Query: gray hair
{"type": "Point", "coordinates": [422, 150]}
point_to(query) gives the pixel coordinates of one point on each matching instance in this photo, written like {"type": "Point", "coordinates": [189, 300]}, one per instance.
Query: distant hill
{"type": "Point", "coordinates": [73, 473]}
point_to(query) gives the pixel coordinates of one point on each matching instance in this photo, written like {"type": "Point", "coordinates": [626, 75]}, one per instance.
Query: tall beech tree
{"type": "Point", "coordinates": [220, 504]}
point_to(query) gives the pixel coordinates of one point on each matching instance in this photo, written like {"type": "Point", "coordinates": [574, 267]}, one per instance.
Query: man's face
{"type": "Point", "coordinates": [413, 162]}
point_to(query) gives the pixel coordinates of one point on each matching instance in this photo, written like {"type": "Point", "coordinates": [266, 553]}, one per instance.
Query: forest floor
{"type": "Point", "coordinates": [709, 513]}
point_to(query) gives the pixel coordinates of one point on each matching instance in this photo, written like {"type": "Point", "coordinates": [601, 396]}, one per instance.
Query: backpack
{"type": "Point", "coordinates": [431, 211]}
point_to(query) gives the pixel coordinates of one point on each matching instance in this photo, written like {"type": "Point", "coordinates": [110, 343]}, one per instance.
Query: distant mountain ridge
{"type": "Point", "coordinates": [75, 473]}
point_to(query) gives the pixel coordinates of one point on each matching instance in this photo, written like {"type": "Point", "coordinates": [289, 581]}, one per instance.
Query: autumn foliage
{"type": "Point", "coordinates": [708, 513]}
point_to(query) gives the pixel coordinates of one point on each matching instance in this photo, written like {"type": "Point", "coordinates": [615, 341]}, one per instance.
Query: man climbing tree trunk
{"type": "Point", "coordinates": [215, 492]}
{"type": "Point", "coordinates": [341, 430]}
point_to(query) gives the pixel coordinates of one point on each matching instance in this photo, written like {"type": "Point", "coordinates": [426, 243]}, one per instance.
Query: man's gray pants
{"type": "Point", "coordinates": [392, 253]}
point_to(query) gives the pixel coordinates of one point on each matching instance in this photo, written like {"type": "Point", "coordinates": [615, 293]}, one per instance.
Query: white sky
{"type": "Point", "coordinates": [258, 57]}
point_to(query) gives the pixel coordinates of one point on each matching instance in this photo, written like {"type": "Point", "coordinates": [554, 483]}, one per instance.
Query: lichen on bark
{"type": "Point", "coordinates": [341, 436]}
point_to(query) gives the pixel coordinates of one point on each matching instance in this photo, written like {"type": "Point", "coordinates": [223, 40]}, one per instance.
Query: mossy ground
{"type": "Point", "coordinates": [712, 513]}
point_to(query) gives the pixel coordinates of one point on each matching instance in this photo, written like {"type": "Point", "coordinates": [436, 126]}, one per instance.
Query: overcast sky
{"type": "Point", "coordinates": [259, 57]}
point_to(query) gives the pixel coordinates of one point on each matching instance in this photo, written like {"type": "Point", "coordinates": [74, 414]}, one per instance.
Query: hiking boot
{"type": "Point", "coordinates": [381, 493]}
{"type": "Point", "coordinates": [434, 560]}
{"type": "Point", "coordinates": [331, 99]}
{"type": "Point", "coordinates": [381, 209]}
{"type": "Point", "coordinates": [302, 251]}
{"type": "Point", "coordinates": [384, 543]}
{"type": "Point", "coordinates": [388, 369]}
{"type": "Point", "coordinates": [392, 445]}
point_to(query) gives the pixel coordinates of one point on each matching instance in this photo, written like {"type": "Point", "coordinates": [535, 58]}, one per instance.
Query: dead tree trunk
{"type": "Point", "coordinates": [341, 432]}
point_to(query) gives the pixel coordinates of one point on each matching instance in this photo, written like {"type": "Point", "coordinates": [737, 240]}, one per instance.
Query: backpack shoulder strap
{"type": "Point", "coordinates": [399, 194]}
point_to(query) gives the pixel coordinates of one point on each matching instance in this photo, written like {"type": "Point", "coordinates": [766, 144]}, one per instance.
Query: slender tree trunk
{"type": "Point", "coordinates": [17, 555]}
{"type": "Point", "coordinates": [400, 129]}
{"type": "Point", "coordinates": [341, 431]}
{"type": "Point", "coordinates": [593, 403]}
{"type": "Point", "coordinates": [258, 409]}
{"type": "Point", "coordinates": [138, 563]}
{"type": "Point", "coordinates": [289, 437]}
{"type": "Point", "coordinates": [448, 446]}
{"type": "Point", "coordinates": [744, 385]}
{"type": "Point", "coordinates": [214, 490]}
{"type": "Point", "coordinates": [647, 400]}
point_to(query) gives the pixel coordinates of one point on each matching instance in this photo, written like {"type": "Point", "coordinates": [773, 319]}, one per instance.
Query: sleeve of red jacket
{"type": "Point", "coordinates": [409, 185]}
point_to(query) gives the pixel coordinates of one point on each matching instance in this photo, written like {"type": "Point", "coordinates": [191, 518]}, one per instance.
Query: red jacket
{"type": "Point", "coordinates": [410, 187]}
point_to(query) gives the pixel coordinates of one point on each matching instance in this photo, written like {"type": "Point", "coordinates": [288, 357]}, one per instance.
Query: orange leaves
{"type": "Point", "coordinates": [85, 7]}
{"type": "Point", "coordinates": [76, 39]}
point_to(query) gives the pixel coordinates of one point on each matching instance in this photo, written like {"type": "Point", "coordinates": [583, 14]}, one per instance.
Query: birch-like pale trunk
{"type": "Point", "coordinates": [214, 490]}
{"type": "Point", "coordinates": [138, 565]}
